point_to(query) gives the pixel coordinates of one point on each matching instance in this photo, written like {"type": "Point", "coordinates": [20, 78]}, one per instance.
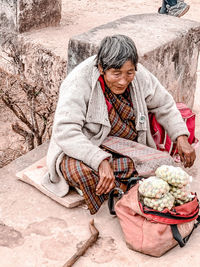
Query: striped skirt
{"type": "Point", "coordinates": [77, 174]}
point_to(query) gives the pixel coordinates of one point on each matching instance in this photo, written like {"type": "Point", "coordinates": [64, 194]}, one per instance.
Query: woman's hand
{"type": "Point", "coordinates": [186, 151]}
{"type": "Point", "coordinates": [107, 178]}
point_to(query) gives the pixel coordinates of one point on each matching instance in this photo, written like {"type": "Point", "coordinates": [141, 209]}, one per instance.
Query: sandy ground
{"type": "Point", "coordinates": [36, 231]}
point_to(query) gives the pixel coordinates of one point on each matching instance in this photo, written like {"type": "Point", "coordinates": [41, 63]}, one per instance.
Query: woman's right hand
{"type": "Point", "coordinates": [107, 178]}
{"type": "Point", "coordinates": [186, 151]}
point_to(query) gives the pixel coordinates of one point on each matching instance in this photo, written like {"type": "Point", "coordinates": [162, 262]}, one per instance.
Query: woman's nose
{"type": "Point", "coordinates": [123, 81]}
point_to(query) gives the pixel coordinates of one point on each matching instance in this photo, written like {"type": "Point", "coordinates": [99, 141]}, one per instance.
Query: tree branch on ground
{"type": "Point", "coordinates": [80, 252]}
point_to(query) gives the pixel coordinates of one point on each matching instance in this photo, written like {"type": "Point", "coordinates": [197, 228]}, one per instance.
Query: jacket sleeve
{"type": "Point", "coordinates": [160, 102]}
{"type": "Point", "coordinates": [69, 120]}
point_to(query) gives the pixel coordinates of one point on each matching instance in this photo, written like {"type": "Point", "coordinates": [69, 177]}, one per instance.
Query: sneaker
{"type": "Point", "coordinates": [178, 10]}
{"type": "Point", "coordinates": [162, 11]}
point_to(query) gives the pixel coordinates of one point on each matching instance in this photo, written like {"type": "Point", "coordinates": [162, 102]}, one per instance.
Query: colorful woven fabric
{"type": "Point", "coordinates": [146, 159]}
{"type": "Point", "coordinates": [80, 175]}
{"type": "Point", "coordinates": [121, 113]}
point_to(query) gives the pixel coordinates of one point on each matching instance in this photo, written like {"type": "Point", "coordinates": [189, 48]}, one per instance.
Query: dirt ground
{"type": "Point", "coordinates": [43, 233]}
{"type": "Point", "coordinates": [77, 16]}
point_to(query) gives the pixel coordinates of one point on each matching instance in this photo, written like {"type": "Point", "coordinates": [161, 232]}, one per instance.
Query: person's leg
{"type": "Point", "coordinates": [171, 2]}
{"type": "Point", "coordinates": [163, 8]}
{"type": "Point", "coordinates": [80, 176]}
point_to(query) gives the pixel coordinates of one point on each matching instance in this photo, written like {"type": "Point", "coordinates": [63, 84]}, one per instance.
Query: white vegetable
{"type": "Point", "coordinates": [153, 187]}
{"type": "Point", "coordinates": [180, 193]}
{"type": "Point", "coordinates": [173, 175]}
{"type": "Point", "coordinates": [169, 187]}
{"type": "Point", "coordinates": [167, 201]}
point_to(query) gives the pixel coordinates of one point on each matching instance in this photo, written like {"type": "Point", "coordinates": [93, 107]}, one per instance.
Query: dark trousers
{"type": "Point", "coordinates": [163, 9]}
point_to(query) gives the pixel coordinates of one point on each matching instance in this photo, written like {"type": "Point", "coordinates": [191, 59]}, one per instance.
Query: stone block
{"type": "Point", "coordinates": [31, 61]}
{"type": "Point", "coordinates": [8, 14]}
{"type": "Point", "coordinates": [23, 61]}
{"type": "Point", "coordinates": [24, 15]}
{"type": "Point", "coordinates": [168, 47]}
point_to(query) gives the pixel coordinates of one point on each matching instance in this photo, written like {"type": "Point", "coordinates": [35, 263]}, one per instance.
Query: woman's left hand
{"type": "Point", "coordinates": [106, 178]}
{"type": "Point", "coordinates": [185, 151]}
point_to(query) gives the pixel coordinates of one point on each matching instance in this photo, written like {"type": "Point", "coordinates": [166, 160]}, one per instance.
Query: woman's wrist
{"type": "Point", "coordinates": [185, 137]}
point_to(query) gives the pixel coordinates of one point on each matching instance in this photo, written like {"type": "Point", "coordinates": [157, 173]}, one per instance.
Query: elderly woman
{"type": "Point", "coordinates": [108, 96]}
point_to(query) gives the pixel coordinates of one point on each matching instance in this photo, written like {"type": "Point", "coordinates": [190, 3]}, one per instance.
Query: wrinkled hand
{"type": "Point", "coordinates": [107, 178]}
{"type": "Point", "coordinates": [186, 151]}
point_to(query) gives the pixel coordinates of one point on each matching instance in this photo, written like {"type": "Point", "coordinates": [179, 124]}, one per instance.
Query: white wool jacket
{"type": "Point", "coordinates": [81, 120]}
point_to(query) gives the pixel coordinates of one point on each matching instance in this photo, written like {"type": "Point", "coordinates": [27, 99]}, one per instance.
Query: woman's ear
{"type": "Point", "coordinates": [100, 69]}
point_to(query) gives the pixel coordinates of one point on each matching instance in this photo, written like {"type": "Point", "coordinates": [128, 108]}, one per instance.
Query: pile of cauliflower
{"type": "Point", "coordinates": [170, 187]}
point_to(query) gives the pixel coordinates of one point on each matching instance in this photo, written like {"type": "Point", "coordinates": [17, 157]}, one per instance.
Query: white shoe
{"type": "Point", "coordinates": [178, 10]}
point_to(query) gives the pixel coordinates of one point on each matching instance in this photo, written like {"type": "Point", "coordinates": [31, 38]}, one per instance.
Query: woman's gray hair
{"type": "Point", "coordinates": [115, 50]}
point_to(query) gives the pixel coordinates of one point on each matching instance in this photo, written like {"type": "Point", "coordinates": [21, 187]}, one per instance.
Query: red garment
{"type": "Point", "coordinates": [121, 112]}
{"type": "Point", "coordinates": [109, 105]}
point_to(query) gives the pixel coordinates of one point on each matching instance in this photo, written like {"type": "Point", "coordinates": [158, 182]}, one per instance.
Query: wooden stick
{"type": "Point", "coordinates": [93, 238]}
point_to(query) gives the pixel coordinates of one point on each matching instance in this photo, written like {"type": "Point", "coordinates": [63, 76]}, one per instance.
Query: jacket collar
{"type": "Point", "coordinates": [97, 108]}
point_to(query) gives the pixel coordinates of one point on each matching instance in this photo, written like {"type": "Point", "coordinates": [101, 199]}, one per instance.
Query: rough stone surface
{"type": "Point", "coordinates": [24, 15]}
{"type": "Point", "coordinates": [9, 237]}
{"type": "Point", "coordinates": [31, 61]}
{"type": "Point", "coordinates": [8, 14]}
{"type": "Point", "coordinates": [175, 44]}
{"type": "Point", "coordinates": [23, 61]}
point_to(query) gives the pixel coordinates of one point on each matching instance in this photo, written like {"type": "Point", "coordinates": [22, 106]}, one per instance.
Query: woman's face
{"type": "Point", "coordinates": [118, 80]}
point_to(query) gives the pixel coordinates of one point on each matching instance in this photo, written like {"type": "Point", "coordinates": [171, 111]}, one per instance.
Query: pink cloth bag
{"type": "Point", "coordinates": [161, 138]}
{"type": "Point", "coordinates": [144, 233]}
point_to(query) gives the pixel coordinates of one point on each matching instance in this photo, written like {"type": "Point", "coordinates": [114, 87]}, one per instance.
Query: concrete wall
{"type": "Point", "coordinates": [169, 51]}
{"type": "Point", "coordinates": [24, 15]}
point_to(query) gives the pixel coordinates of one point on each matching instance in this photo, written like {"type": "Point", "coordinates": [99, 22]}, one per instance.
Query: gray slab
{"type": "Point", "coordinates": [24, 15]}
{"type": "Point", "coordinates": [168, 47]}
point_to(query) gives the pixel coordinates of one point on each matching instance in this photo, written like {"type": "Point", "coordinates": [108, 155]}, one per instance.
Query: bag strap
{"type": "Point", "coordinates": [177, 236]}
{"type": "Point", "coordinates": [171, 216]}
{"type": "Point", "coordinates": [132, 181]}
{"type": "Point", "coordinates": [116, 192]}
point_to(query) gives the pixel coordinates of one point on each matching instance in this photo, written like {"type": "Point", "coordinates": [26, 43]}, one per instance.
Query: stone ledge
{"type": "Point", "coordinates": [169, 51]}
{"type": "Point", "coordinates": [28, 159]}
{"type": "Point", "coordinates": [24, 15]}
{"type": "Point", "coordinates": [26, 62]}
{"type": "Point", "coordinates": [31, 61]}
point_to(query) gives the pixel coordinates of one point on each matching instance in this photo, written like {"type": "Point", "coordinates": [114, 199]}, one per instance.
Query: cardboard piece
{"type": "Point", "coordinates": [32, 176]}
